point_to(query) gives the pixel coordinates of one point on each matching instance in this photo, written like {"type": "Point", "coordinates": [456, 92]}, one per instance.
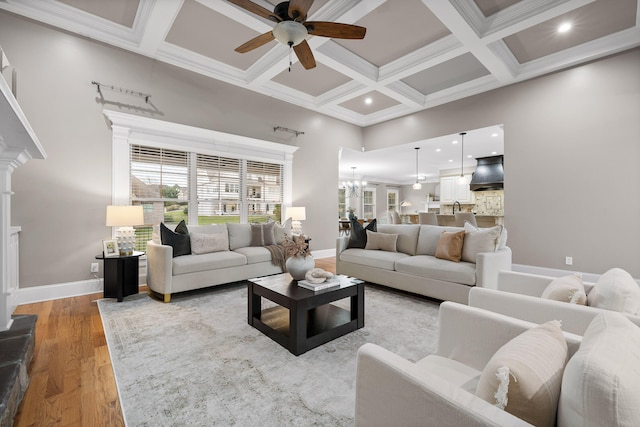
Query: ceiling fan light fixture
{"type": "Point", "coordinates": [290, 33]}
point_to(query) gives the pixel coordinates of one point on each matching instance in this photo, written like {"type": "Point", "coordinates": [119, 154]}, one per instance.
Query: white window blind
{"type": "Point", "coordinates": [218, 189]}
{"type": "Point", "coordinates": [264, 190]}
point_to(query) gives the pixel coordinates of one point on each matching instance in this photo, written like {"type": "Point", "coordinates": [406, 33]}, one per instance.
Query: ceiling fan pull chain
{"type": "Point", "coordinates": [290, 49]}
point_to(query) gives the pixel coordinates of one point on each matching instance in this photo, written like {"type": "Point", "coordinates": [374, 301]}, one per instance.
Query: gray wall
{"type": "Point", "coordinates": [571, 150]}
{"type": "Point", "coordinates": [60, 202]}
{"type": "Point", "coordinates": [572, 154]}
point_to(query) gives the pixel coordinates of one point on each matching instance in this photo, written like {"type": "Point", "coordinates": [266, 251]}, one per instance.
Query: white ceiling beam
{"type": "Point", "coordinates": [157, 24]}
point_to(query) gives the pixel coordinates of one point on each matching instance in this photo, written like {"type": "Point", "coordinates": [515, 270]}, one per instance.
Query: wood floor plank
{"type": "Point", "coordinates": [71, 377]}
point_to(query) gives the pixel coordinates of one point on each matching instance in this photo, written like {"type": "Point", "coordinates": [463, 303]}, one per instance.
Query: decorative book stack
{"type": "Point", "coordinates": [320, 286]}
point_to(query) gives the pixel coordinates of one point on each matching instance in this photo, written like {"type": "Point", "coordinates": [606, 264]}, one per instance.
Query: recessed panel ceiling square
{"type": "Point", "coordinates": [314, 82]}
{"type": "Point", "coordinates": [317, 4]}
{"type": "Point", "coordinates": [589, 22]}
{"type": "Point", "coordinates": [491, 7]}
{"type": "Point", "coordinates": [202, 30]}
{"type": "Point", "coordinates": [379, 102]}
{"type": "Point", "coordinates": [395, 29]}
{"type": "Point", "coordinates": [450, 73]}
{"type": "Point", "coordinates": [121, 12]}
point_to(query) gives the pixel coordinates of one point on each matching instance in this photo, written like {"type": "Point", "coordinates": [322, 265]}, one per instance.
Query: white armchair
{"type": "Point", "coordinates": [439, 389]}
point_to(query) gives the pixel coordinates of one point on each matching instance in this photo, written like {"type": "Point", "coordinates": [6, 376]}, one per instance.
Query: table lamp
{"type": "Point", "coordinates": [297, 214]}
{"type": "Point", "coordinates": [125, 217]}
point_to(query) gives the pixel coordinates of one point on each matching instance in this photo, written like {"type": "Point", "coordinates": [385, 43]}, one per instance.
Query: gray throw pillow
{"type": "Point", "coordinates": [262, 234]}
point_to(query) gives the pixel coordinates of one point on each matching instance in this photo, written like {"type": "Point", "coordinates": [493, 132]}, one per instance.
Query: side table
{"type": "Point", "coordinates": [120, 275]}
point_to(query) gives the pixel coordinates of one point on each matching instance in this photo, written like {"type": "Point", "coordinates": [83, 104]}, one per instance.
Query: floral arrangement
{"type": "Point", "coordinates": [296, 247]}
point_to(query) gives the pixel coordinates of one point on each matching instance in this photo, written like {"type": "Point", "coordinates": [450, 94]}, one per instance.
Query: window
{"type": "Point", "coordinates": [392, 200]}
{"type": "Point", "coordinates": [218, 189]}
{"type": "Point", "coordinates": [264, 191]}
{"type": "Point", "coordinates": [369, 203]}
{"type": "Point", "coordinates": [342, 203]}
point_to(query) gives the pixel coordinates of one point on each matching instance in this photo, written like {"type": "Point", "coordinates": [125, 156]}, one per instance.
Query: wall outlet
{"type": "Point", "coordinates": [568, 260]}
{"type": "Point", "coordinates": [95, 267]}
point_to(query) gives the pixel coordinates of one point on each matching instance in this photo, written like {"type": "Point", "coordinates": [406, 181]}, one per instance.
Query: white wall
{"type": "Point", "coordinates": [572, 155]}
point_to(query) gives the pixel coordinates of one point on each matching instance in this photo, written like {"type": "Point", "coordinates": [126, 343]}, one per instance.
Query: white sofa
{"type": "Point", "coordinates": [414, 267]}
{"type": "Point", "coordinates": [519, 295]}
{"type": "Point", "coordinates": [438, 390]}
{"type": "Point", "coordinates": [167, 275]}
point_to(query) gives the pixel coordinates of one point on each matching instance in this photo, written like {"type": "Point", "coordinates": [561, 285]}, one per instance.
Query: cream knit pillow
{"type": "Point", "coordinates": [566, 289]}
{"type": "Point", "coordinates": [616, 290]}
{"type": "Point", "coordinates": [525, 374]}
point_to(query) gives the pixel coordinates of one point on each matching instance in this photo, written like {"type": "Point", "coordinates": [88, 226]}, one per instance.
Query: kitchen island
{"type": "Point", "coordinates": [483, 221]}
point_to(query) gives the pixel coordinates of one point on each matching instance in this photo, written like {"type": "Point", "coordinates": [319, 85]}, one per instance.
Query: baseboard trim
{"type": "Point", "coordinates": [57, 291]}
{"type": "Point", "coordinates": [324, 253]}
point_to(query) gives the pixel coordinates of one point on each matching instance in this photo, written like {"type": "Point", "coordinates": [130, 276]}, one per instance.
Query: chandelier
{"type": "Point", "coordinates": [353, 188]}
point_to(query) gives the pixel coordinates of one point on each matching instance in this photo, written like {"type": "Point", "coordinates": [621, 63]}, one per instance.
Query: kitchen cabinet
{"type": "Point", "coordinates": [451, 190]}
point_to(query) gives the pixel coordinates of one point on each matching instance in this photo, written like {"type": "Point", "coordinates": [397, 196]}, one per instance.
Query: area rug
{"type": "Point", "coordinates": [196, 361]}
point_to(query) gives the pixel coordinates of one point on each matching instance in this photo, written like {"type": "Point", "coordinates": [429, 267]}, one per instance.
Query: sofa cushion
{"type": "Point", "coordinates": [616, 290]}
{"type": "Point", "coordinates": [381, 241]}
{"type": "Point", "coordinates": [205, 262]}
{"type": "Point", "coordinates": [601, 382]}
{"type": "Point", "coordinates": [524, 376]}
{"type": "Point", "coordinates": [281, 230]}
{"type": "Point", "coordinates": [450, 245]}
{"type": "Point", "coordinates": [566, 289]}
{"type": "Point", "coordinates": [239, 235]}
{"type": "Point", "coordinates": [429, 236]}
{"type": "Point", "coordinates": [202, 243]}
{"type": "Point", "coordinates": [478, 240]}
{"type": "Point", "coordinates": [407, 236]}
{"type": "Point", "coordinates": [209, 229]}
{"type": "Point", "coordinates": [255, 254]}
{"type": "Point", "coordinates": [378, 259]}
{"type": "Point", "coordinates": [455, 373]}
{"type": "Point", "coordinates": [358, 234]}
{"type": "Point", "coordinates": [438, 269]}
{"type": "Point", "coordinates": [262, 234]}
{"type": "Point", "coordinates": [178, 240]}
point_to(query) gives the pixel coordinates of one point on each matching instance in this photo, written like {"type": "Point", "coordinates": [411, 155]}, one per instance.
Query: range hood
{"type": "Point", "coordinates": [489, 174]}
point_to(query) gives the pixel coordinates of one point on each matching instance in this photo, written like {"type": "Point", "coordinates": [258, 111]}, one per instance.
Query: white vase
{"type": "Point", "coordinates": [298, 267]}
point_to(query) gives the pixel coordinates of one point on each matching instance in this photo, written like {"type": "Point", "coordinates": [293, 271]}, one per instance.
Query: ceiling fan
{"type": "Point", "coordinates": [292, 29]}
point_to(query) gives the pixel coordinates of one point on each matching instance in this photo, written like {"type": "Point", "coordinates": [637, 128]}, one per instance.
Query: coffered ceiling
{"type": "Point", "coordinates": [416, 54]}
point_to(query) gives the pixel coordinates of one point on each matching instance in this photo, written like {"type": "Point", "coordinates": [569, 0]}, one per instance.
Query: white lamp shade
{"type": "Point", "coordinates": [405, 203]}
{"type": "Point", "coordinates": [290, 32]}
{"type": "Point", "coordinates": [297, 213]}
{"type": "Point", "coordinates": [124, 216]}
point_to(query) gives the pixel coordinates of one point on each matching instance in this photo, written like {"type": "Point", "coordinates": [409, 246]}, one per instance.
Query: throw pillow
{"type": "Point", "coordinates": [601, 382]}
{"type": "Point", "coordinates": [524, 376]}
{"type": "Point", "coordinates": [262, 234]}
{"type": "Point", "coordinates": [281, 230]}
{"type": "Point", "coordinates": [358, 235]}
{"type": "Point", "coordinates": [179, 241]}
{"type": "Point", "coordinates": [206, 243]}
{"type": "Point", "coordinates": [478, 240]}
{"type": "Point", "coordinates": [567, 289]}
{"type": "Point", "coordinates": [615, 290]}
{"type": "Point", "coordinates": [450, 245]}
{"type": "Point", "coordinates": [381, 241]}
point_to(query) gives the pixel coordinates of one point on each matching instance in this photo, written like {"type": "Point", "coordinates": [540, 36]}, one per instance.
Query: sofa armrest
{"type": "Point", "coordinates": [488, 264]}
{"type": "Point", "coordinates": [523, 283]}
{"type": "Point", "coordinates": [159, 267]}
{"type": "Point", "coordinates": [391, 391]}
{"type": "Point", "coordinates": [341, 244]}
{"type": "Point", "coordinates": [472, 335]}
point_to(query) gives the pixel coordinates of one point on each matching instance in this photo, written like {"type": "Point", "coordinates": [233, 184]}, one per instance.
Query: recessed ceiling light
{"type": "Point", "coordinates": [455, 141]}
{"type": "Point", "coordinates": [494, 152]}
{"type": "Point", "coordinates": [494, 134]}
{"type": "Point", "coordinates": [368, 101]}
{"type": "Point", "coordinates": [438, 150]}
{"type": "Point", "coordinates": [564, 27]}
{"type": "Point", "coordinates": [450, 161]}
{"type": "Point", "coordinates": [469, 156]}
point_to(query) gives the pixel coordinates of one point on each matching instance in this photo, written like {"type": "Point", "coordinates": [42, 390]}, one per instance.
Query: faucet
{"type": "Point", "coordinates": [454, 207]}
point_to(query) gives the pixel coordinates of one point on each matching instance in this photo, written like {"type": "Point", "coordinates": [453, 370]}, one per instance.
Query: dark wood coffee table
{"type": "Point", "coordinates": [303, 319]}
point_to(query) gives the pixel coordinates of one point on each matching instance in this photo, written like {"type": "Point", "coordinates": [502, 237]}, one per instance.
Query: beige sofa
{"type": "Point", "coordinates": [599, 384]}
{"type": "Point", "coordinates": [414, 267]}
{"type": "Point", "coordinates": [167, 275]}
{"type": "Point", "coordinates": [520, 295]}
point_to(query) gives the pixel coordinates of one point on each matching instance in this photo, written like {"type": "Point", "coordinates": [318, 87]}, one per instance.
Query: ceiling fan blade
{"type": "Point", "coordinates": [255, 42]}
{"type": "Point", "coordinates": [257, 9]}
{"type": "Point", "coordinates": [305, 56]}
{"type": "Point", "coordinates": [335, 30]}
{"type": "Point", "coordinates": [298, 9]}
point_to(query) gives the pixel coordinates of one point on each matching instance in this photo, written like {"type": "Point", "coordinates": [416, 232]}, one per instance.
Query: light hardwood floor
{"type": "Point", "coordinates": [72, 382]}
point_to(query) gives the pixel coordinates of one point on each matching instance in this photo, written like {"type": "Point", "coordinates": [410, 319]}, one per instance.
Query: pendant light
{"type": "Point", "coordinates": [462, 179]}
{"type": "Point", "coordinates": [417, 185]}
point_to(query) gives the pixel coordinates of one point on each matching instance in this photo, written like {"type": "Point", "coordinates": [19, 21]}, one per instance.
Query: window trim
{"type": "Point", "coordinates": [130, 129]}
